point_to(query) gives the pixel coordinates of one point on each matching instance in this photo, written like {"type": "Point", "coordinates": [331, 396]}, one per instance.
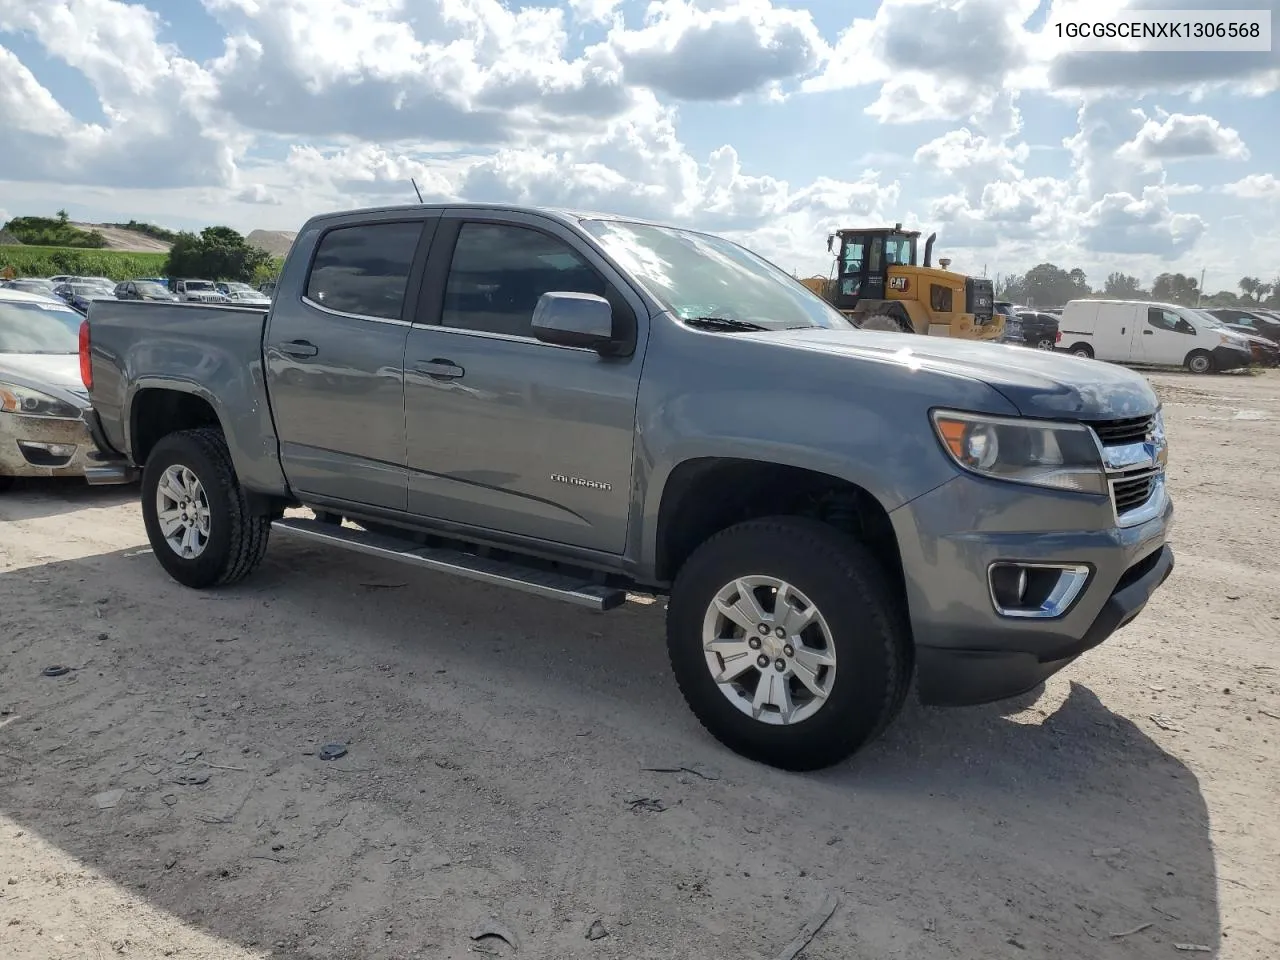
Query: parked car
{"type": "Point", "coordinates": [1161, 334]}
{"type": "Point", "coordinates": [1013, 332]}
{"type": "Point", "coordinates": [35, 285]}
{"type": "Point", "coordinates": [1039, 330]}
{"type": "Point", "coordinates": [43, 431]}
{"type": "Point", "coordinates": [143, 290]}
{"type": "Point", "coordinates": [1257, 322]}
{"type": "Point", "coordinates": [80, 295]}
{"type": "Point", "coordinates": [198, 291]}
{"type": "Point", "coordinates": [243, 294]}
{"type": "Point", "coordinates": [588, 405]}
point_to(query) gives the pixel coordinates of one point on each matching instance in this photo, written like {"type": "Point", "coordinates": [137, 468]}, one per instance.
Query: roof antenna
{"type": "Point", "coordinates": [415, 189]}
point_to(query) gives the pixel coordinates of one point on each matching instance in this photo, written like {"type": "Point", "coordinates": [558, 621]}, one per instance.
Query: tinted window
{"type": "Point", "coordinates": [364, 269]}
{"type": "Point", "coordinates": [499, 272]}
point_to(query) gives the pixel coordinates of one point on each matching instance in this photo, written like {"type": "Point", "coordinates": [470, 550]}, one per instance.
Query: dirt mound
{"type": "Point", "coordinates": [127, 240]}
{"type": "Point", "coordinates": [275, 242]}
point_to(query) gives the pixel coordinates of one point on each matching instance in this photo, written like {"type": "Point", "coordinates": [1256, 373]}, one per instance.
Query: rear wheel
{"type": "Point", "coordinates": [788, 642]}
{"type": "Point", "coordinates": [1200, 361]}
{"type": "Point", "coordinates": [1045, 343]}
{"type": "Point", "coordinates": [196, 514]}
{"type": "Point", "coordinates": [1082, 350]}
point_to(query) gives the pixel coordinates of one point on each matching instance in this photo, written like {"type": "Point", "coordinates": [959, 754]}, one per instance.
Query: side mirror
{"type": "Point", "coordinates": [574, 320]}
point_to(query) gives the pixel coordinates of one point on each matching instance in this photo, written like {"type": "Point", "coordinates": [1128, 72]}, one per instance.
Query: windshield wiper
{"type": "Point", "coordinates": [722, 323]}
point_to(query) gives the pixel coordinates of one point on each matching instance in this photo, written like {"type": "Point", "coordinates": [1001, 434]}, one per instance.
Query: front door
{"type": "Point", "coordinates": [335, 354]}
{"type": "Point", "coordinates": [505, 432]}
{"type": "Point", "coordinates": [1166, 338]}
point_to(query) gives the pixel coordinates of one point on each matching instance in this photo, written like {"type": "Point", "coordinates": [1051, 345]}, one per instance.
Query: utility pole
{"type": "Point", "coordinates": [1200, 294]}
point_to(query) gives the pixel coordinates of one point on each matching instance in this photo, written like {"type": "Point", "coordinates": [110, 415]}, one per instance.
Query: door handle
{"type": "Point", "coordinates": [440, 369]}
{"type": "Point", "coordinates": [1148, 333]}
{"type": "Point", "coordinates": [299, 348]}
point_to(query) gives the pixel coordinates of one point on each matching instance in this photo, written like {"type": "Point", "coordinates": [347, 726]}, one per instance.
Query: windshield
{"type": "Point", "coordinates": [695, 275]}
{"type": "Point", "coordinates": [1209, 319]}
{"type": "Point", "coordinates": [86, 290]}
{"type": "Point", "coordinates": [152, 289]}
{"type": "Point", "coordinates": [199, 285]}
{"type": "Point", "coordinates": [27, 327]}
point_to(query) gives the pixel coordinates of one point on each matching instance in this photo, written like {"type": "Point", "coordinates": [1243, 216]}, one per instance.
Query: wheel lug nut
{"type": "Point", "coordinates": [762, 661]}
{"type": "Point", "coordinates": [780, 634]}
{"type": "Point", "coordinates": [780, 664]}
{"type": "Point", "coordinates": [764, 628]}
{"type": "Point", "coordinates": [754, 643]}
{"type": "Point", "coordinates": [789, 650]}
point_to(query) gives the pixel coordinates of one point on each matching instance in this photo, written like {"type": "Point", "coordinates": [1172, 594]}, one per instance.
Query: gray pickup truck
{"type": "Point", "coordinates": [581, 405]}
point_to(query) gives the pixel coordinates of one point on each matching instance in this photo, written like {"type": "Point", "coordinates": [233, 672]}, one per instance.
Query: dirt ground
{"type": "Point", "coordinates": [165, 798]}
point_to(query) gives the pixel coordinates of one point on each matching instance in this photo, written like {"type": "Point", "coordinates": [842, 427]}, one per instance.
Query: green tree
{"type": "Point", "coordinates": [1048, 285]}
{"type": "Point", "coordinates": [1122, 286]}
{"type": "Point", "coordinates": [215, 253]}
{"type": "Point", "coordinates": [1176, 288]}
{"type": "Point", "coordinates": [63, 217]}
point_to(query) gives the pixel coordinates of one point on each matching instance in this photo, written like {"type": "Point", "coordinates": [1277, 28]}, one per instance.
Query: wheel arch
{"type": "Point", "coordinates": [704, 495]}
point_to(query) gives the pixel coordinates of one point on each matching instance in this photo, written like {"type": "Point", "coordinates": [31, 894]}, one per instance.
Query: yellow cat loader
{"type": "Point", "coordinates": [879, 285]}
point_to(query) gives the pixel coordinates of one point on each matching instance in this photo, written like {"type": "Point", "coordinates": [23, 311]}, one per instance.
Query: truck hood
{"type": "Point", "coordinates": [55, 374]}
{"type": "Point", "coordinates": [1037, 382]}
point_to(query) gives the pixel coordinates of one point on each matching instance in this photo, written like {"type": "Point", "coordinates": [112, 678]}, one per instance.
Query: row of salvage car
{"type": "Point", "coordinates": [1146, 333]}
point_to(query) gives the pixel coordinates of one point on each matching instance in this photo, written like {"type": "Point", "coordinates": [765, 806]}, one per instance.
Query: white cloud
{"type": "Point", "coordinates": [1182, 137]}
{"type": "Point", "coordinates": [1256, 186]}
{"type": "Point", "coordinates": [717, 49]}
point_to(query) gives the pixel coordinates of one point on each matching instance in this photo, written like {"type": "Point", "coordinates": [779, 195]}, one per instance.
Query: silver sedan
{"type": "Point", "coordinates": [43, 402]}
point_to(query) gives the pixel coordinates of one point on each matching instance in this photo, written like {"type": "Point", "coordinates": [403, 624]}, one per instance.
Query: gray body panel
{"type": "Point", "coordinates": [562, 453]}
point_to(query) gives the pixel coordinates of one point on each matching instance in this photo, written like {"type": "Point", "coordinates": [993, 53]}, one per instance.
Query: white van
{"type": "Point", "coordinates": [1141, 332]}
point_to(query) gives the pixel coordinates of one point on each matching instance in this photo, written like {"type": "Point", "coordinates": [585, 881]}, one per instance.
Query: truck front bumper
{"type": "Point", "coordinates": [969, 652]}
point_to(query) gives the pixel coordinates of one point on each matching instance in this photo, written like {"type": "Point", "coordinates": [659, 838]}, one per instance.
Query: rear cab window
{"type": "Point", "coordinates": [363, 270]}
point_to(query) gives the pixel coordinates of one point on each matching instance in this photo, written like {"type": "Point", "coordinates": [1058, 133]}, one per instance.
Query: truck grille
{"type": "Point", "coordinates": [1133, 484]}
{"type": "Point", "coordinates": [1133, 488]}
{"type": "Point", "coordinates": [1115, 432]}
{"type": "Point", "coordinates": [979, 299]}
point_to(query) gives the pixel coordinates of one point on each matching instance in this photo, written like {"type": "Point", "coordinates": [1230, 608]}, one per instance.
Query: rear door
{"type": "Point", "coordinates": [1113, 332]}
{"type": "Point", "coordinates": [505, 432]}
{"type": "Point", "coordinates": [335, 353]}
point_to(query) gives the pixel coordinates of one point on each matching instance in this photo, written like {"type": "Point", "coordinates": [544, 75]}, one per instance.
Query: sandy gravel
{"type": "Point", "coordinates": [496, 746]}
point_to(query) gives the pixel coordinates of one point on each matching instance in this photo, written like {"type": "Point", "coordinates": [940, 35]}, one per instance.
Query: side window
{"type": "Point", "coordinates": [1162, 319]}
{"type": "Point", "coordinates": [364, 269]}
{"type": "Point", "coordinates": [499, 272]}
{"type": "Point", "coordinates": [877, 246]}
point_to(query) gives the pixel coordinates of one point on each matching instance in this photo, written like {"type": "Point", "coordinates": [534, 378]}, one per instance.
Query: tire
{"type": "Point", "coordinates": [234, 538]}
{"type": "Point", "coordinates": [1200, 361]}
{"type": "Point", "coordinates": [883, 321]}
{"type": "Point", "coordinates": [867, 630]}
{"type": "Point", "coordinates": [1045, 344]}
{"type": "Point", "coordinates": [1082, 350]}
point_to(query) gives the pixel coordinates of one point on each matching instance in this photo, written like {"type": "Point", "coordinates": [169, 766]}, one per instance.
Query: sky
{"type": "Point", "coordinates": [774, 122]}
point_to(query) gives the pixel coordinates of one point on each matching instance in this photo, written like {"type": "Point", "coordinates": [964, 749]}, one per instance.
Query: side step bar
{"type": "Point", "coordinates": [555, 586]}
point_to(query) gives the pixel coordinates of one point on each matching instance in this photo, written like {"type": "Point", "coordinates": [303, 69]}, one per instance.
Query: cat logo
{"type": "Point", "coordinates": [898, 283]}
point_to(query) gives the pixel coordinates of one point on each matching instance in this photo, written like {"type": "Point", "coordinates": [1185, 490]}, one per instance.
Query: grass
{"type": "Point", "coordinates": [27, 261]}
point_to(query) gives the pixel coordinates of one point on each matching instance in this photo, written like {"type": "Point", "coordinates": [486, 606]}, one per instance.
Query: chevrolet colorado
{"type": "Point", "coordinates": [577, 405]}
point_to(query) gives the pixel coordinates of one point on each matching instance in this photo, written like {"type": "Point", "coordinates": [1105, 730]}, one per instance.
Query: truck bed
{"type": "Point", "coordinates": [209, 352]}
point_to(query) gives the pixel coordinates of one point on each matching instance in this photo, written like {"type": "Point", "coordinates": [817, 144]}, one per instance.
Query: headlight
{"type": "Point", "coordinates": [32, 403]}
{"type": "Point", "coordinates": [1063, 456]}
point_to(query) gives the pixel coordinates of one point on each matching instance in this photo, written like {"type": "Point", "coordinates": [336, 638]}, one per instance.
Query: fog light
{"type": "Point", "coordinates": [47, 454]}
{"type": "Point", "coordinates": [1035, 590]}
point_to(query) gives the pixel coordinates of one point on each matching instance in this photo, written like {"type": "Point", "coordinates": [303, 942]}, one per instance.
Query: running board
{"type": "Point", "coordinates": [500, 573]}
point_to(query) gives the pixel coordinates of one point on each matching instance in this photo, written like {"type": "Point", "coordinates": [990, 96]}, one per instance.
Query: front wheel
{"type": "Point", "coordinates": [1045, 344]}
{"type": "Point", "coordinates": [196, 514]}
{"type": "Point", "coordinates": [1200, 361]}
{"type": "Point", "coordinates": [788, 642]}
